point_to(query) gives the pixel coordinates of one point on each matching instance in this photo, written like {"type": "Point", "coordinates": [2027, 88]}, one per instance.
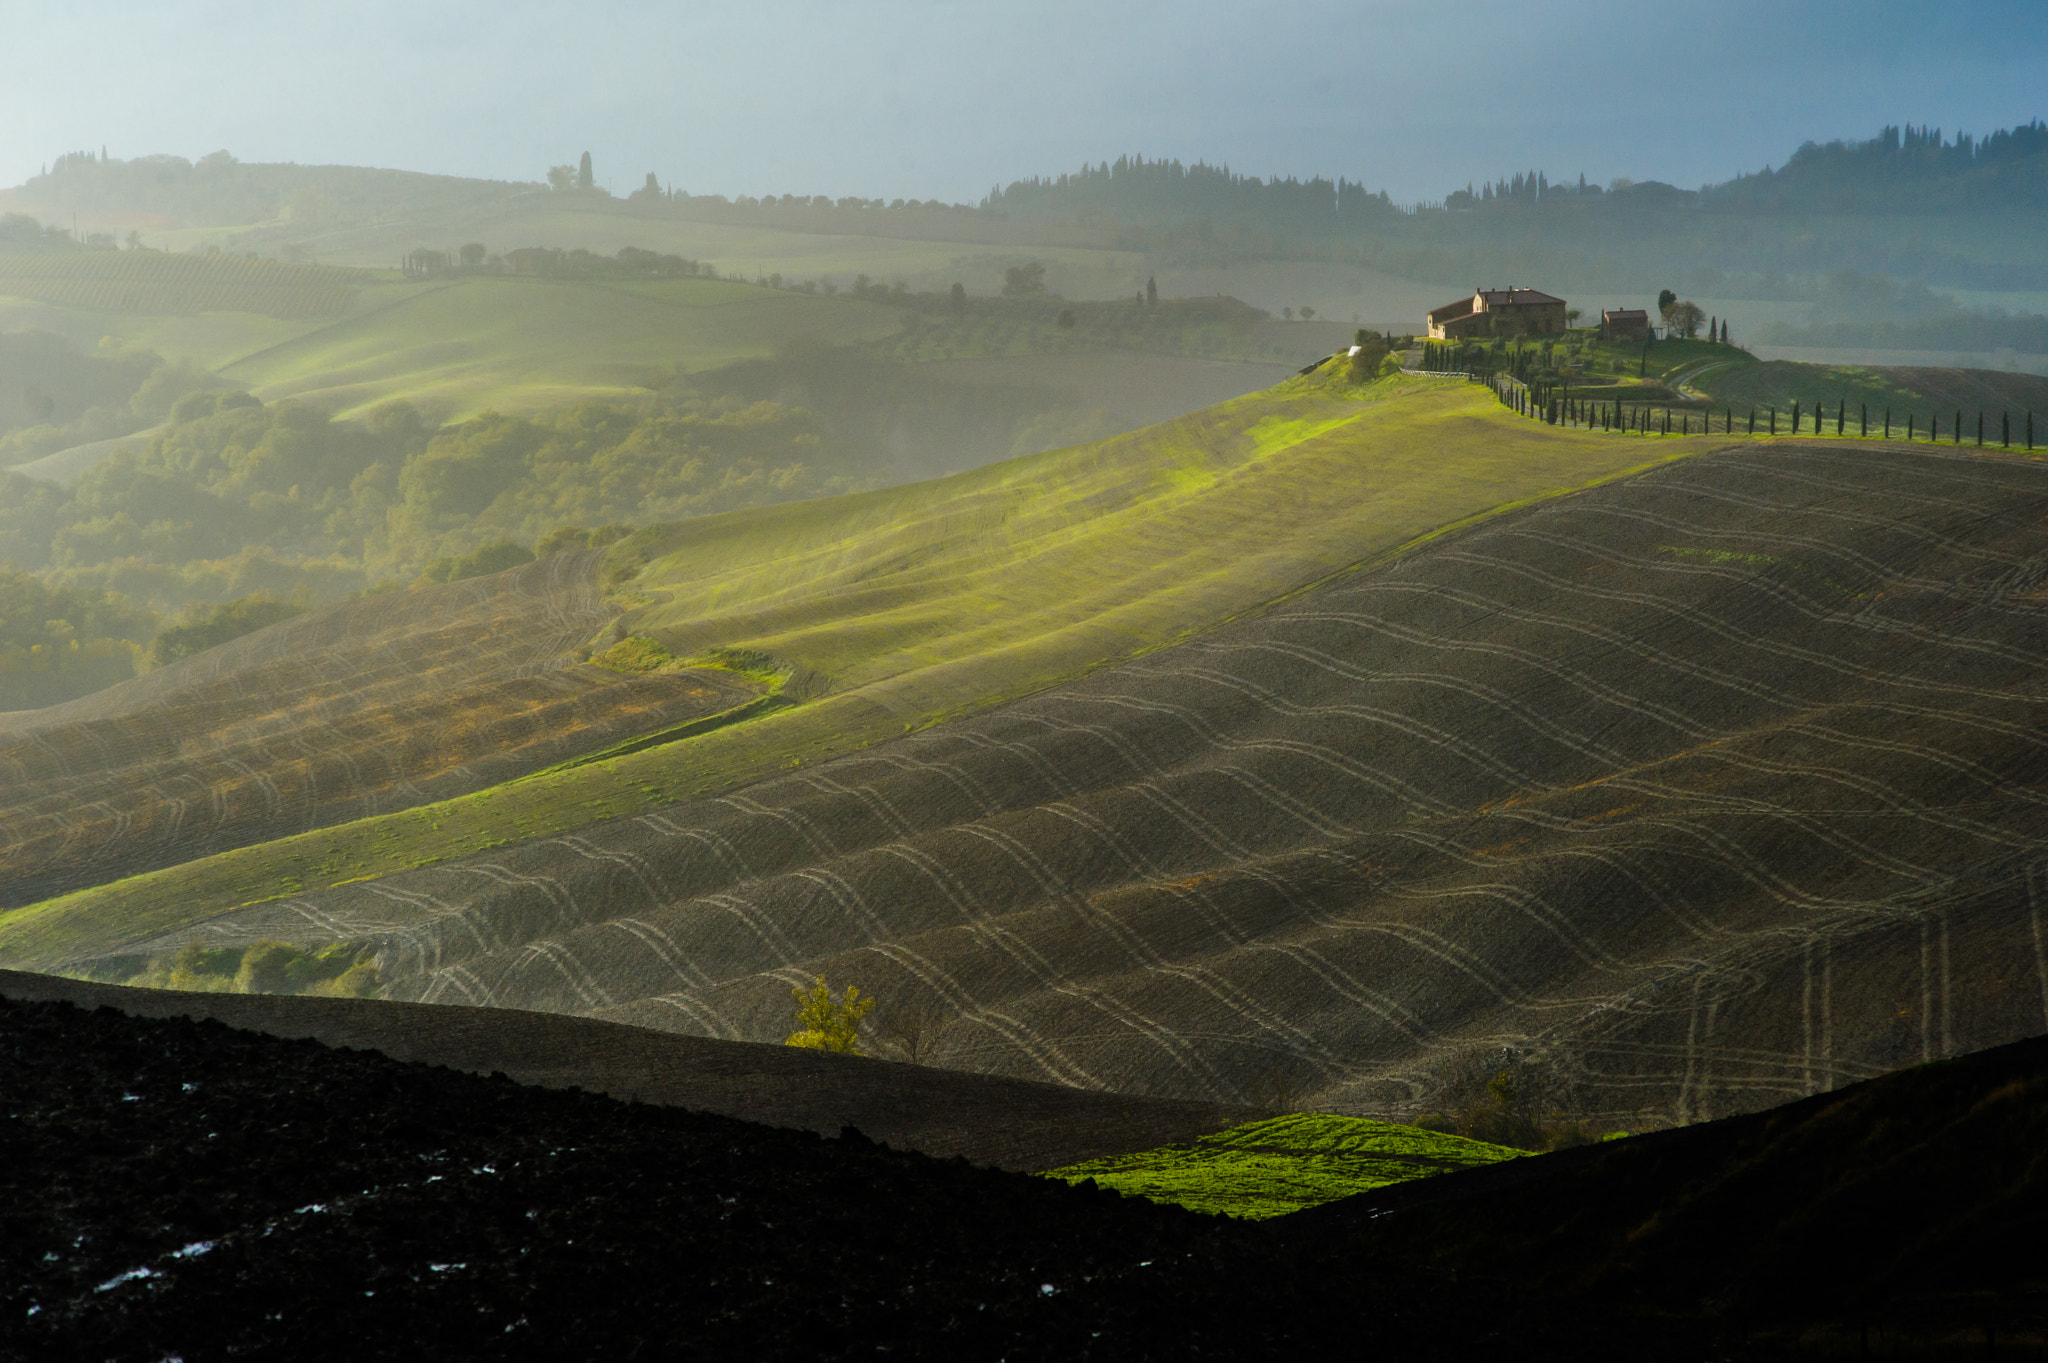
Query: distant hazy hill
{"type": "Point", "coordinates": [218, 190]}
{"type": "Point", "coordinates": [1902, 170]}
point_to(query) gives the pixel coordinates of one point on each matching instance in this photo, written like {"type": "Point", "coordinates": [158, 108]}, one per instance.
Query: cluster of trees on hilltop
{"type": "Point", "coordinates": [1533, 187]}
{"type": "Point", "coordinates": [1136, 189]}
{"type": "Point", "coordinates": [22, 232]}
{"type": "Point", "coordinates": [1901, 170]}
{"type": "Point", "coordinates": [1574, 234]}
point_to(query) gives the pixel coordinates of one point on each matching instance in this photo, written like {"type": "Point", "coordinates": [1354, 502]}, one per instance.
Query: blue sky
{"type": "Point", "coordinates": [942, 98]}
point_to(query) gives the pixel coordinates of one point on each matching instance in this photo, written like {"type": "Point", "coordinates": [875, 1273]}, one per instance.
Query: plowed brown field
{"type": "Point", "coordinates": [1717, 786]}
{"type": "Point", "coordinates": [364, 707]}
{"type": "Point", "coordinates": [1974, 390]}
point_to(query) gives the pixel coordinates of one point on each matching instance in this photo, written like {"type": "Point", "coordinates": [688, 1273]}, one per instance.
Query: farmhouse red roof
{"type": "Point", "coordinates": [1496, 297]}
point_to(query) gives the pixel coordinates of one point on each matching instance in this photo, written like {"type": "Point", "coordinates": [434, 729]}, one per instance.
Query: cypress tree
{"type": "Point", "coordinates": [1151, 290]}
{"type": "Point", "coordinates": [1752, 421]}
{"type": "Point", "coordinates": [1956, 431]}
{"type": "Point", "coordinates": [1795, 420]}
{"type": "Point", "coordinates": [2005, 430]}
{"type": "Point", "coordinates": [1980, 430]}
{"type": "Point", "coordinates": [1841, 414]}
{"type": "Point", "coordinates": [1863, 422]}
{"type": "Point", "coordinates": [1774, 421]}
{"type": "Point", "coordinates": [1887, 423]}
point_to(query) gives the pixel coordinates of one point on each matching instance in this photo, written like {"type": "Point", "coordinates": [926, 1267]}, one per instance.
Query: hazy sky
{"type": "Point", "coordinates": [942, 98]}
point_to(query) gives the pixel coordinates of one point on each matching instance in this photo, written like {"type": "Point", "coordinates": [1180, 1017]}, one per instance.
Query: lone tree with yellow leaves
{"type": "Point", "coordinates": [825, 1025]}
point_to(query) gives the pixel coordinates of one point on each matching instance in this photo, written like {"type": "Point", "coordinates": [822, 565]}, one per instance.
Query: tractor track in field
{"type": "Point", "coordinates": [1713, 787]}
{"type": "Point", "coordinates": [362, 708]}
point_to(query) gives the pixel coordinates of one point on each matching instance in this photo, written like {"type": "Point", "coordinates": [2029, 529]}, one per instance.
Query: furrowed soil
{"type": "Point", "coordinates": [374, 705]}
{"type": "Point", "coordinates": [1973, 390]}
{"type": "Point", "coordinates": [176, 1188]}
{"type": "Point", "coordinates": [908, 606]}
{"type": "Point", "coordinates": [1706, 789]}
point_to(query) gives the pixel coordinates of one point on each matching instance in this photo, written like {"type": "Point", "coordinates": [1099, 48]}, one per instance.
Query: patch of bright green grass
{"type": "Point", "coordinates": [901, 608]}
{"type": "Point", "coordinates": [1284, 1164]}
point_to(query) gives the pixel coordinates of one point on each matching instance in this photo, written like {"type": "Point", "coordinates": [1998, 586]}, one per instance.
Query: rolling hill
{"type": "Point", "coordinates": [374, 705]}
{"type": "Point", "coordinates": [908, 605]}
{"type": "Point", "coordinates": [513, 343]}
{"type": "Point", "coordinates": [1154, 767]}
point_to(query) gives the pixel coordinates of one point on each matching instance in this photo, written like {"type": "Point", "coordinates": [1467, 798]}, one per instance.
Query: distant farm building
{"type": "Point", "coordinates": [1498, 312]}
{"type": "Point", "coordinates": [1624, 324]}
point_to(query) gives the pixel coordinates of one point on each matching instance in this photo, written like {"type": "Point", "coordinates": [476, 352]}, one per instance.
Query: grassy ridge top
{"type": "Point", "coordinates": [520, 343]}
{"type": "Point", "coordinates": [933, 600]}
{"type": "Point", "coordinates": [1285, 1164]}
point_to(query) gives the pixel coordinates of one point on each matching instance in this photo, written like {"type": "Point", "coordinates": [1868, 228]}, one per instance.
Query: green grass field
{"type": "Point", "coordinates": [911, 605]}
{"type": "Point", "coordinates": [485, 343]}
{"type": "Point", "coordinates": [1286, 1164]}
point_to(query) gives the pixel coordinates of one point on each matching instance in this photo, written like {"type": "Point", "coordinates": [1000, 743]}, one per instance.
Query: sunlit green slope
{"type": "Point", "coordinates": [900, 608]}
{"type": "Point", "coordinates": [519, 343]}
{"type": "Point", "coordinates": [1284, 1164]}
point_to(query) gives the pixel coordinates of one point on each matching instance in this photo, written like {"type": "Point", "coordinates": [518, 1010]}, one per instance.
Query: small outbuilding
{"type": "Point", "coordinates": [1498, 312]}
{"type": "Point", "coordinates": [1624, 324]}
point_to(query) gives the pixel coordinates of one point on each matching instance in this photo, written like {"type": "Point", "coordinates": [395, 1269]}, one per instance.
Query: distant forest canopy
{"type": "Point", "coordinates": [1908, 170]}
{"type": "Point", "coordinates": [218, 189]}
{"type": "Point", "coordinates": [1902, 170]}
{"type": "Point", "coordinates": [1142, 190]}
{"type": "Point", "coordinates": [1871, 207]}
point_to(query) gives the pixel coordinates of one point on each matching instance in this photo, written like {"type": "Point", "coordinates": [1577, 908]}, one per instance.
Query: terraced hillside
{"type": "Point", "coordinates": [1703, 789]}
{"type": "Point", "coordinates": [374, 705]}
{"type": "Point", "coordinates": [906, 606]}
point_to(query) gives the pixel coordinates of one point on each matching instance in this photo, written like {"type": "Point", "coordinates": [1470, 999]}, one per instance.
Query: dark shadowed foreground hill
{"type": "Point", "coordinates": [990, 1119]}
{"type": "Point", "coordinates": [172, 1188]}
{"type": "Point", "coordinates": [1901, 1216]}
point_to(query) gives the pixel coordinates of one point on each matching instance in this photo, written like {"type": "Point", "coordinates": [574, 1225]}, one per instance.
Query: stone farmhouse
{"type": "Point", "coordinates": [1498, 312]}
{"type": "Point", "coordinates": [1624, 324]}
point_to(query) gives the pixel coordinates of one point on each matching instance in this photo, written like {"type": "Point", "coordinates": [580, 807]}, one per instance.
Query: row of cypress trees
{"type": "Point", "coordinates": [1556, 407]}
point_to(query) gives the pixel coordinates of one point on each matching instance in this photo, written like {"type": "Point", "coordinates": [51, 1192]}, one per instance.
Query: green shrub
{"type": "Point", "coordinates": [267, 967]}
{"type": "Point", "coordinates": [636, 653]}
{"type": "Point", "coordinates": [560, 538]}
{"type": "Point", "coordinates": [494, 557]}
{"type": "Point", "coordinates": [211, 628]}
{"type": "Point", "coordinates": [264, 968]}
{"type": "Point", "coordinates": [1366, 363]}
{"type": "Point", "coordinates": [826, 1024]}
